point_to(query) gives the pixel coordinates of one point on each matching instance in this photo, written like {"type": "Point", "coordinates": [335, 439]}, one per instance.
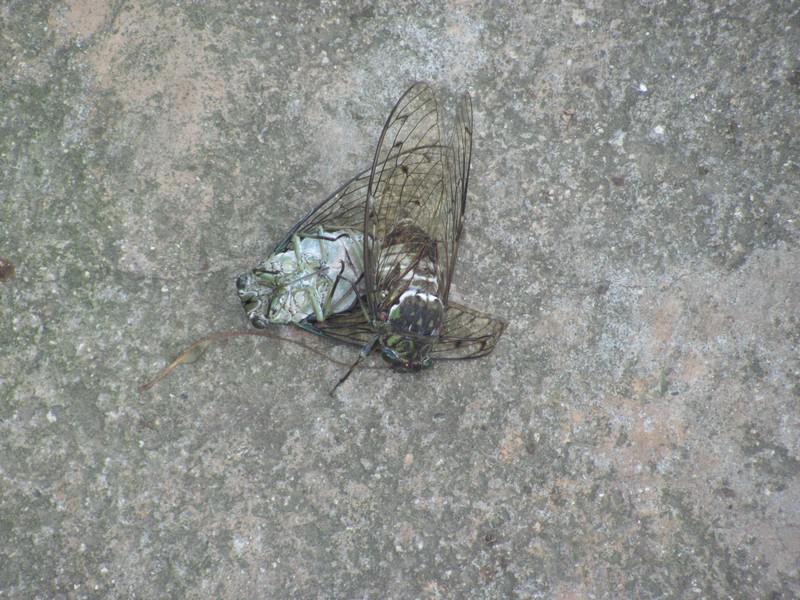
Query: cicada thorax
{"type": "Point", "coordinates": [412, 311]}
{"type": "Point", "coordinates": [315, 276]}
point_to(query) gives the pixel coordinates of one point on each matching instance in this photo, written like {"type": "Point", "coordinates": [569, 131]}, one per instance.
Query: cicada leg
{"type": "Point", "coordinates": [321, 235]}
{"type": "Point", "coordinates": [355, 287]}
{"type": "Point", "coordinates": [329, 299]}
{"type": "Point", "coordinates": [361, 355]}
{"type": "Point", "coordinates": [318, 313]}
{"type": "Point", "coordinates": [323, 255]}
{"type": "Point", "coordinates": [298, 253]}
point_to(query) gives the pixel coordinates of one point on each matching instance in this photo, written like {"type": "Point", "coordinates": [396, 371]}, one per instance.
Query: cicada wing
{"type": "Point", "coordinates": [417, 191]}
{"type": "Point", "coordinates": [467, 333]}
{"type": "Point", "coordinates": [455, 203]}
{"type": "Point", "coordinates": [344, 209]}
{"type": "Point", "coordinates": [406, 189]}
{"type": "Point", "coordinates": [350, 327]}
{"type": "Point", "coordinates": [272, 295]}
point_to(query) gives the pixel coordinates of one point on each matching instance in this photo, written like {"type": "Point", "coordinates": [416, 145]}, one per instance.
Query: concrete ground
{"type": "Point", "coordinates": [634, 213]}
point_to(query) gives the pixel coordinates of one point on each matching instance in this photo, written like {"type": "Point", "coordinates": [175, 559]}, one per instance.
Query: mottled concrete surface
{"type": "Point", "coordinates": [634, 212]}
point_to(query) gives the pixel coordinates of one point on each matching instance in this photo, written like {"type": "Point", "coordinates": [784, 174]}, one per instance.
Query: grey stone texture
{"type": "Point", "coordinates": [634, 212]}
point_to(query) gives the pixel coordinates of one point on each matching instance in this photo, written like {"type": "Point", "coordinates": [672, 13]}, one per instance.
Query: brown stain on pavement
{"type": "Point", "coordinates": [7, 270]}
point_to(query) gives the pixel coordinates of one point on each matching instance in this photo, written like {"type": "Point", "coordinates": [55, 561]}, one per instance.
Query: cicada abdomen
{"type": "Point", "coordinates": [317, 276]}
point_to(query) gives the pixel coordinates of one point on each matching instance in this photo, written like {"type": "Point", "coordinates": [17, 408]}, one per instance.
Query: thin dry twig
{"type": "Point", "coordinates": [196, 350]}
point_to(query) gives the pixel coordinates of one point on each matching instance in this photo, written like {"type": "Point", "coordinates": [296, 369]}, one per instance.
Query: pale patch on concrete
{"type": "Point", "coordinates": [168, 99]}
{"type": "Point", "coordinates": [511, 446]}
{"type": "Point", "coordinates": [81, 18]}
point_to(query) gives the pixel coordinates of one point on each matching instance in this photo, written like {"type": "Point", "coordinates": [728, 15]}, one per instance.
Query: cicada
{"type": "Point", "coordinates": [372, 265]}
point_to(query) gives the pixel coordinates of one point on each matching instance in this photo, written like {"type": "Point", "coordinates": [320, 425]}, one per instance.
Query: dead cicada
{"type": "Point", "coordinates": [372, 265]}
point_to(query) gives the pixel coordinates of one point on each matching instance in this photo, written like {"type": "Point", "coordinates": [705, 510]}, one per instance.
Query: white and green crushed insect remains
{"type": "Point", "coordinates": [318, 276]}
{"type": "Point", "coordinates": [372, 265]}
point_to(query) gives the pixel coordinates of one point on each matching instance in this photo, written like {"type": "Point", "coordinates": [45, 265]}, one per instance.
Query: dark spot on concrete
{"type": "Point", "coordinates": [725, 492]}
{"type": "Point", "coordinates": [588, 77]}
{"type": "Point", "coordinates": [7, 270]}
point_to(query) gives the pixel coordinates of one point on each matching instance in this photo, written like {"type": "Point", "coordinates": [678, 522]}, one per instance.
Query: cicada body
{"type": "Point", "coordinates": [372, 265]}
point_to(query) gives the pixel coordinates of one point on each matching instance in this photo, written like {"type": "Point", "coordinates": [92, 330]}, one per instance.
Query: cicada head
{"type": "Point", "coordinates": [406, 353]}
{"type": "Point", "coordinates": [256, 290]}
